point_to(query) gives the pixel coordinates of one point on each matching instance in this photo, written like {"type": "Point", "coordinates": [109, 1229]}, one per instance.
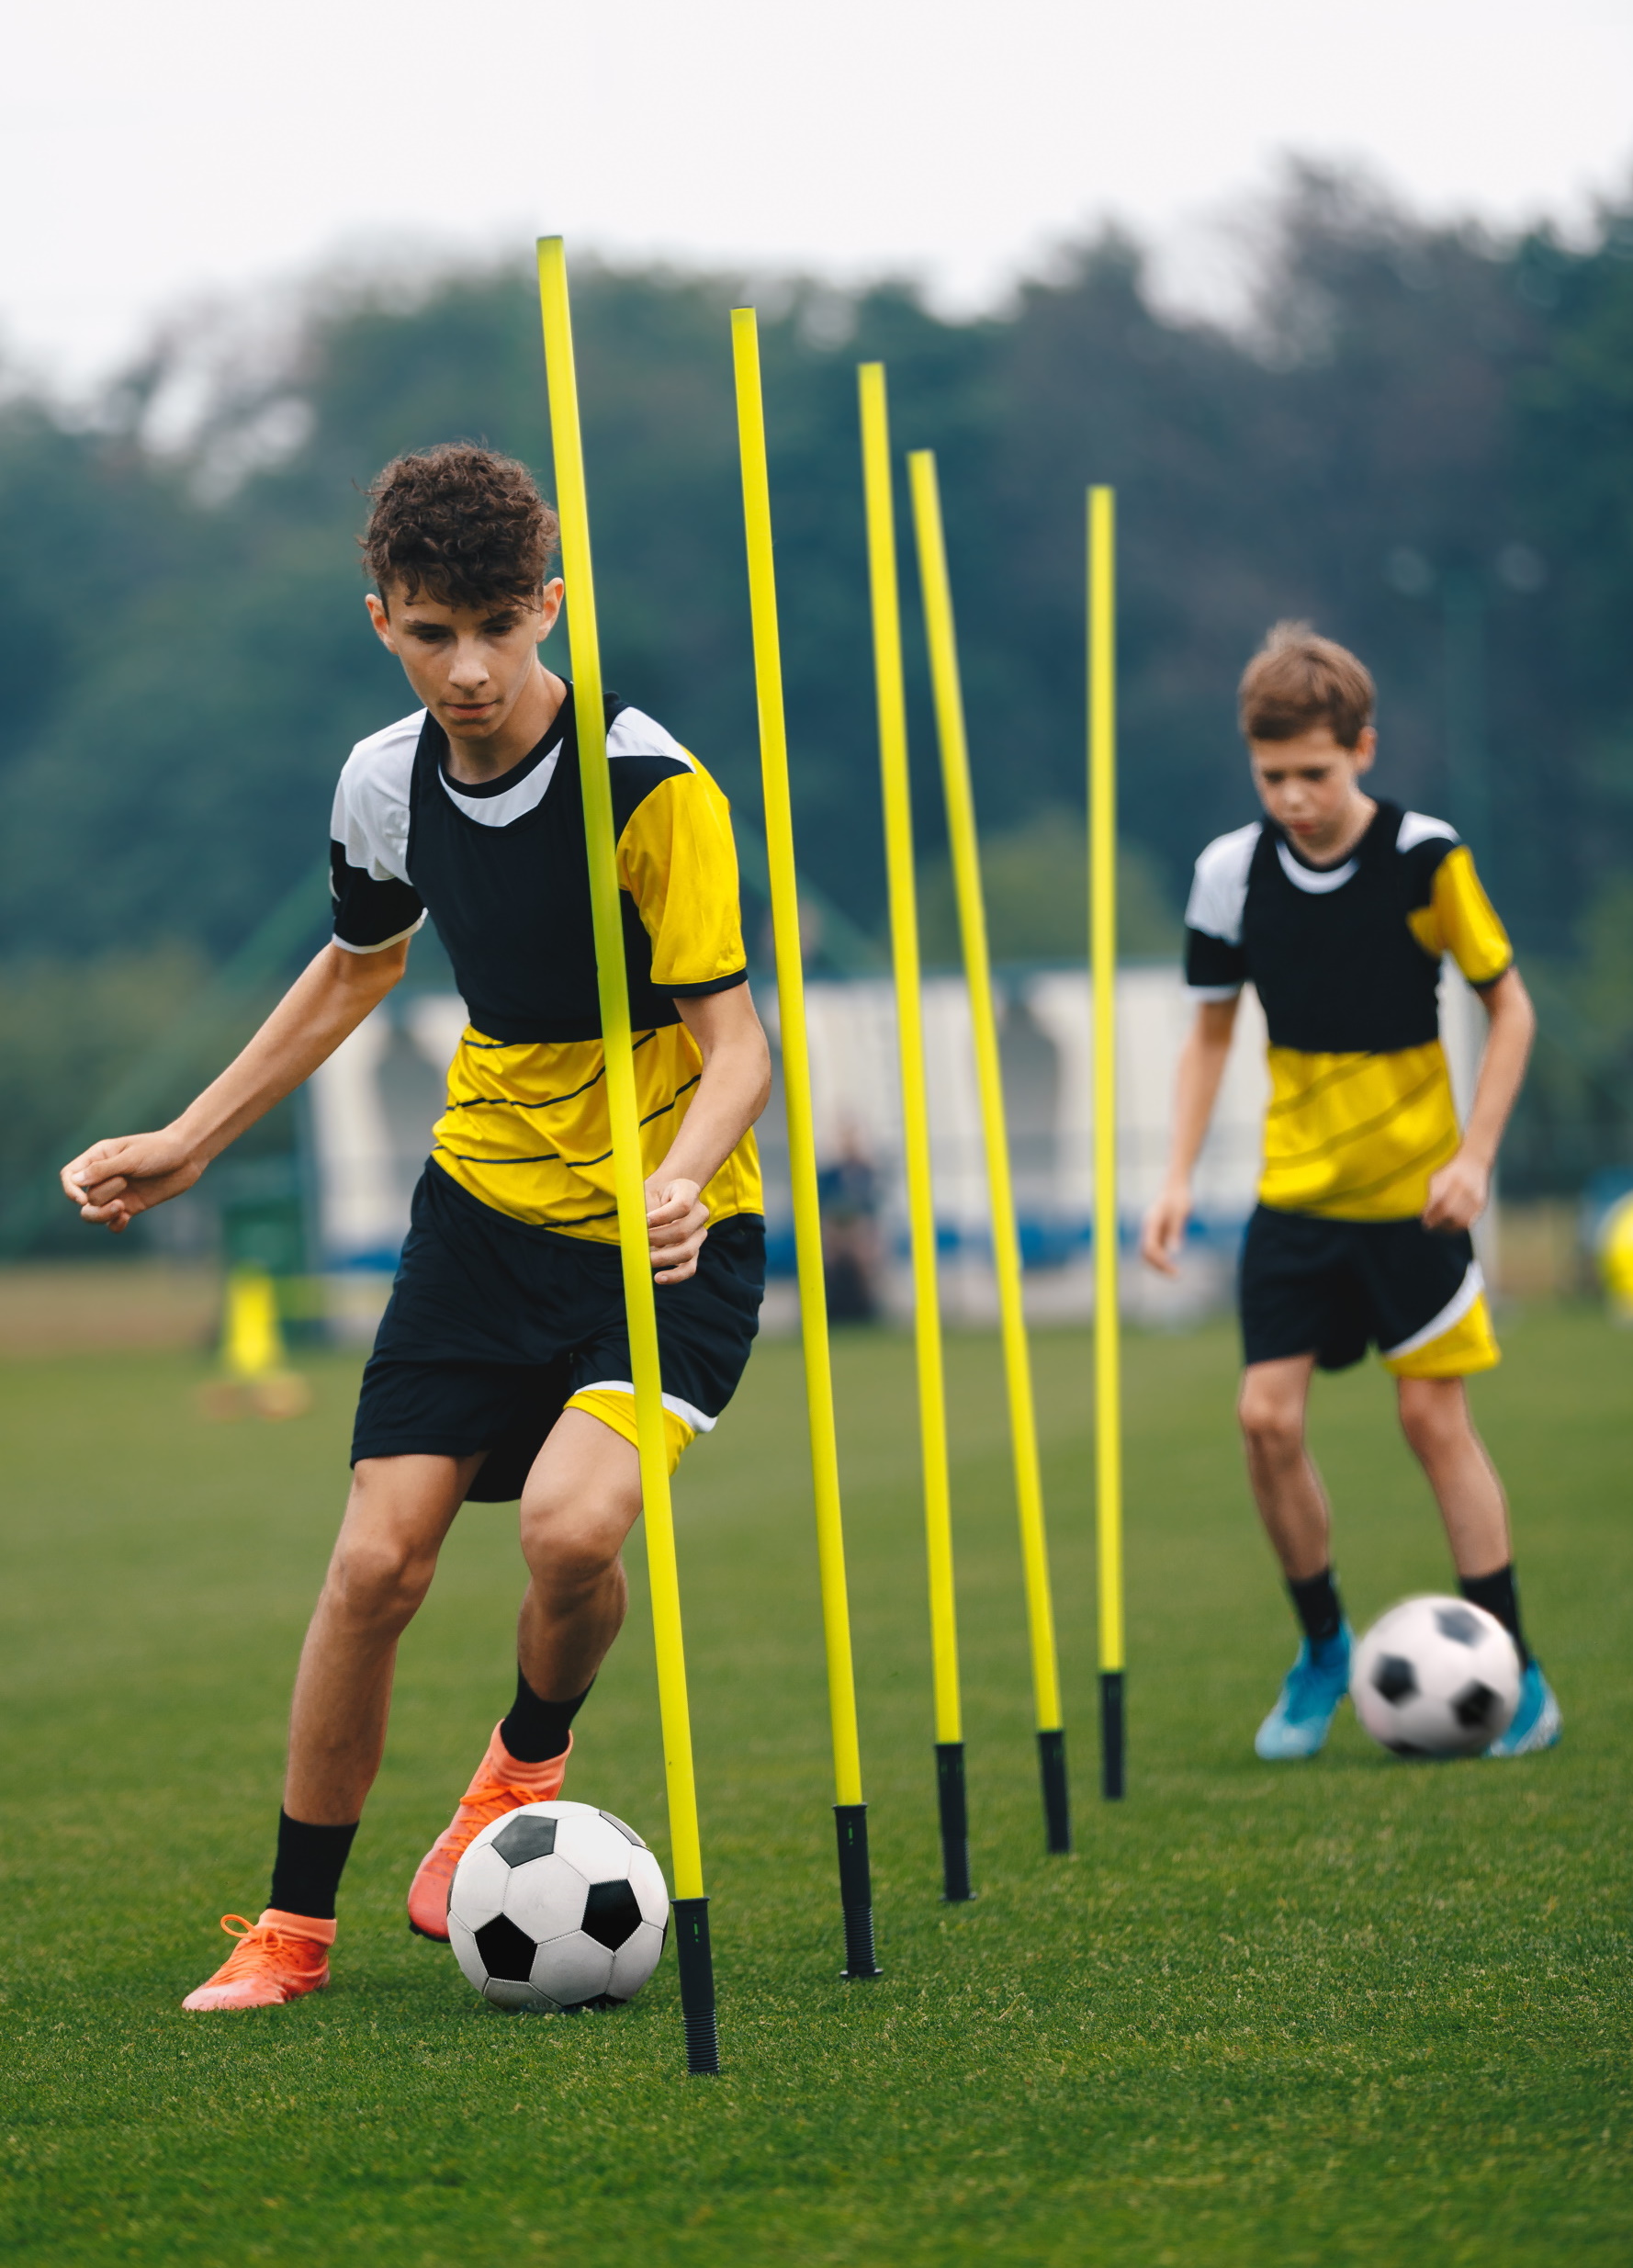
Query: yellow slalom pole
{"type": "Point", "coordinates": [943, 640]}
{"type": "Point", "coordinates": [1102, 899]}
{"type": "Point", "coordinates": [850, 1812]}
{"type": "Point", "coordinates": [691, 1905]}
{"type": "Point", "coordinates": [921, 1214]}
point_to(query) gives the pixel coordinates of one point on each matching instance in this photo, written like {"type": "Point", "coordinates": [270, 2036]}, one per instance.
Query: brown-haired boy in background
{"type": "Point", "coordinates": [1338, 908]}
{"type": "Point", "coordinates": [502, 1369]}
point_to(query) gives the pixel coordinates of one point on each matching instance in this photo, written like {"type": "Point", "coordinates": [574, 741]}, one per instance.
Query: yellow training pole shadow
{"type": "Point", "coordinates": [690, 1906]}
{"type": "Point", "coordinates": [850, 1812]}
{"type": "Point", "coordinates": [1102, 900]}
{"type": "Point", "coordinates": [943, 640]}
{"type": "Point", "coordinates": [903, 946]}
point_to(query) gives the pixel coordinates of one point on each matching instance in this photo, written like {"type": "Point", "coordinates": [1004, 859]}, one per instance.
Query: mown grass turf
{"type": "Point", "coordinates": [1352, 2012]}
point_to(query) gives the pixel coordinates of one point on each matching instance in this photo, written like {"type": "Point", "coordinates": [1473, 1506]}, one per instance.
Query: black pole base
{"type": "Point", "coordinates": [697, 1985]}
{"type": "Point", "coordinates": [955, 1822]}
{"type": "Point", "coordinates": [856, 1890]}
{"type": "Point", "coordinates": [1057, 1794]}
{"type": "Point", "coordinates": [1111, 1735]}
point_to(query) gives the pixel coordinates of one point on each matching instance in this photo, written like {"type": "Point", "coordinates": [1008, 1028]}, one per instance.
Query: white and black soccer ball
{"type": "Point", "coordinates": [558, 1906]}
{"type": "Point", "coordinates": [1436, 1678]}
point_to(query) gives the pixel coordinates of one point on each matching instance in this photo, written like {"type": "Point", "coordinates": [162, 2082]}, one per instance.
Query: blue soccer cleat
{"type": "Point", "coordinates": [1538, 1722]}
{"type": "Point", "coordinates": [1311, 1692]}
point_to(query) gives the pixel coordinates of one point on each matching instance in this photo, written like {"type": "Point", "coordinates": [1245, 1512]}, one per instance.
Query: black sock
{"type": "Point", "coordinates": [309, 1863]}
{"type": "Point", "coordinates": [536, 1730]}
{"type": "Point", "coordinates": [1316, 1602]}
{"type": "Point", "coordinates": [1497, 1594]}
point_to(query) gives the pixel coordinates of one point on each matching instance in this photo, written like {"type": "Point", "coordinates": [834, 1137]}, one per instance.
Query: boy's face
{"type": "Point", "coordinates": [469, 665]}
{"type": "Point", "coordinates": [1311, 786]}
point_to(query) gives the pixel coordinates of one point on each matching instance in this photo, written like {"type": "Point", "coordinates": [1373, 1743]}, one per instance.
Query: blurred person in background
{"type": "Point", "coordinates": [847, 1194]}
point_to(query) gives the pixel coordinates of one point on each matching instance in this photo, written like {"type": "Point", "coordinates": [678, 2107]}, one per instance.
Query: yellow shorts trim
{"type": "Point", "coordinates": [1470, 1344]}
{"type": "Point", "coordinates": [617, 1410]}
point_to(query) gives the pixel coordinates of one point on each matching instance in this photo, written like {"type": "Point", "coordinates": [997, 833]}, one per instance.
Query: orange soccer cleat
{"type": "Point", "coordinates": [276, 1959]}
{"type": "Point", "coordinates": [501, 1785]}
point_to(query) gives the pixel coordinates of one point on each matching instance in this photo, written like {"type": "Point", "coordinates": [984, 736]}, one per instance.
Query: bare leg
{"type": "Point", "coordinates": [400, 1510]}
{"type": "Point", "coordinates": [1286, 1485]}
{"type": "Point", "coordinates": [1436, 1420]}
{"type": "Point", "coordinates": [582, 1497]}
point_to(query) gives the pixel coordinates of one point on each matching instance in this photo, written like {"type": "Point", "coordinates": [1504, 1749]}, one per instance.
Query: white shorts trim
{"type": "Point", "coordinates": [1455, 1308]}
{"type": "Point", "coordinates": [686, 1411]}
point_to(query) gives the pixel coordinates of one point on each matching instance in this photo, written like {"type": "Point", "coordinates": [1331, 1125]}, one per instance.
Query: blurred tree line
{"type": "Point", "coordinates": [1421, 438]}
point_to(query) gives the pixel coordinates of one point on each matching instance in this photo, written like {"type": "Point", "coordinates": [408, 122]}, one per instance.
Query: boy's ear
{"type": "Point", "coordinates": [549, 607]}
{"type": "Point", "coordinates": [1366, 748]}
{"type": "Point", "coordinates": [381, 621]}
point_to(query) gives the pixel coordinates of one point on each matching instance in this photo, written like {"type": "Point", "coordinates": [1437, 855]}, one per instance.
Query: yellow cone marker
{"type": "Point", "coordinates": [942, 638]}
{"type": "Point", "coordinates": [252, 1340]}
{"type": "Point", "coordinates": [691, 1905]}
{"type": "Point", "coordinates": [904, 945]}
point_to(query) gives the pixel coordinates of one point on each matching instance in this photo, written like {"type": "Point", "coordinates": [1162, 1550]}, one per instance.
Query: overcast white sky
{"type": "Point", "coordinates": [149, 154]}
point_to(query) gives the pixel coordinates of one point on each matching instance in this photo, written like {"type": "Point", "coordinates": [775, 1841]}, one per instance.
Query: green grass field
{"type": "Point", "coordinates": [1357, 2010]}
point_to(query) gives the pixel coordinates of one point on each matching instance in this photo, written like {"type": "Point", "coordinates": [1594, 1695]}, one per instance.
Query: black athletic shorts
{"type": "Point", "coordinates": [493, 1325]}
{"type": "Point", "coordinates": [1335, 1288]}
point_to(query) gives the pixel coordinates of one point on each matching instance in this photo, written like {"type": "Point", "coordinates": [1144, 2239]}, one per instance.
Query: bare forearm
{"type": "Point", "coordinates": [1201, 1068]}
{"type": "Point", "coordinates": [125, 1175]}
{"type": "Point", "coordinates": [1201, 1065]}
{"type": "Point", "coordinates": [1501, 1067]}
{"type": "Point", "coordinates": [732, 1092]}
{"type": "Point", "coordinates": [323, 1006]}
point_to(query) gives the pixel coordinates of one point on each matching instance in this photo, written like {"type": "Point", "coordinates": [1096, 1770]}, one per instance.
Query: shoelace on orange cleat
{"type": "Point", "coordinates": [478, 1811]}
{"type": "Point", "coordinates": [256, 1945]}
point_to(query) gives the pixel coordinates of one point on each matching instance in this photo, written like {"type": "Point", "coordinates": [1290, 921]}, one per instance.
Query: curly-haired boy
{"type": "Point", "coordinates": [502, 1368]}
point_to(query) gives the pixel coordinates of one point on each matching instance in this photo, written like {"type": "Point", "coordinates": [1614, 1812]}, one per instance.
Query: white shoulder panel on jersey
{"type": "Point", "coordinates": [1219, 891]}
{"type": "Point", "coordinates": [371, 800]}
{"type": "Point", "coordinates": [633, 733]}
{"type": "Point", "coordinates": [1417, 827]}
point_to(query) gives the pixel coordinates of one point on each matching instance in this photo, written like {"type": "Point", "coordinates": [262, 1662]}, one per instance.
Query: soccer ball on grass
{"type": "Point", "coordinates": [558, 1906]}
{"type": "Point", "coordinates": [1436, 1678]}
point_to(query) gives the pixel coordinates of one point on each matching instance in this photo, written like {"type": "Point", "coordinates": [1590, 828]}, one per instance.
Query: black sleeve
{"type": "Point", "coordinates": [368, 913]}
{"type": "Point", "coordinates": [1211, 965]}
{"type": "Point", "coordinates": [714, 984]}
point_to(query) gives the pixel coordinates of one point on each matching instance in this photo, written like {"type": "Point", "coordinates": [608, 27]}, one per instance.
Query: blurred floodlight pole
{"type": "Point", "coordinates": [1463, 626]}
{"type": "Point", "coordinates": [1463, 593]}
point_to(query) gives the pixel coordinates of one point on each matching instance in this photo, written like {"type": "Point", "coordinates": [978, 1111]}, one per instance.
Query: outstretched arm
{"type": "Point", "coordinates": [1202, 1062]}
{"type": "Point", "coordinates": [731, 1093]}
{"type": "Point", "coordinates": [115, 1179]}
{"type": "Point", "coordinates": [1459, 1191]}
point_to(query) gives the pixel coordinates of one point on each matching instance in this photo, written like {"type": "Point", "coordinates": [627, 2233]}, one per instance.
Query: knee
{"type": "Point", "coordinates": [571, 1564]}
{"type": "Point", "coordinates": [570, 1549]}
{"type": "Point", "coordinates": [380, 1580]}
{"type": "Point", "coordinates": [1272, 1427]}
{"type": "Point", "coordinates": [1434, 1417]}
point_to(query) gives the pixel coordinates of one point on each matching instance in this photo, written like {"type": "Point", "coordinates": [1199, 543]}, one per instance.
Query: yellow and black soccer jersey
{"type": "Point", "coordinates": [1345, 961]}
{"type": "Point", "coordinates": [502, 869]}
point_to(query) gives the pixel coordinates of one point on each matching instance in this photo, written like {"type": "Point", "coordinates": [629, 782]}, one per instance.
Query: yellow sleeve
{"type": "Point", "coordinates": [1460, 919]}
{"type": "Point", "coordinates": [677, 859]}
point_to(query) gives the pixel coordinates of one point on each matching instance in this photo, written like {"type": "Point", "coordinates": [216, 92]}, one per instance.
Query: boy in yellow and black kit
{"type": "Point", "coordinates": [1338, 908]}
{"type": "Point", "coordinates": [501, 1370]}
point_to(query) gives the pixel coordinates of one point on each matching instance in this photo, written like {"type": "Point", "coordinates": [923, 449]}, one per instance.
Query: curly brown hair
{"type": "Point", "coordinates": [460, 522]}
{"type": "Point", "coordinates": [1299, 680]}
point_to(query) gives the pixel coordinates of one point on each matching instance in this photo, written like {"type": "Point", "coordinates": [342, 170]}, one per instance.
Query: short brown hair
{"type": "Point", "coordinates": [461, 523]}
{"type": "Point", "coordinates": [1297, 682]}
